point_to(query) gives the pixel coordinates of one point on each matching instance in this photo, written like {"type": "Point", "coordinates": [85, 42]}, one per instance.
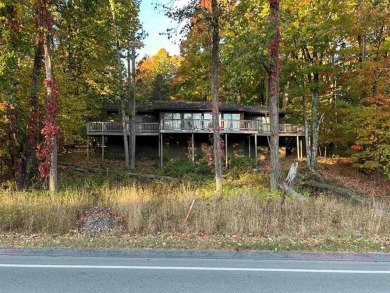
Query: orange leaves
{"type": "Point", "coordinates": [2, 106]}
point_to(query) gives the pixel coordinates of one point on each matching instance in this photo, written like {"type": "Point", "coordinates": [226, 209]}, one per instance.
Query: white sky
{"type": "Point", "coordinates": [155, 22]}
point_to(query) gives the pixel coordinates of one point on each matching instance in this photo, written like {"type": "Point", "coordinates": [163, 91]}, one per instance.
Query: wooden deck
{"type": "Point", "coordinates": [253, 127]}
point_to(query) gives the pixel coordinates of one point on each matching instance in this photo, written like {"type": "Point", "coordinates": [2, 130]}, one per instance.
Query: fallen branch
{"type": "Point", "coordinates": [189, 212]}
{"type": "Point", "coordinates": [150, 176]}
{"type": "Point", "coordinates": [84, 169]}
{"type": "Point", "coordinates": [341, 191]}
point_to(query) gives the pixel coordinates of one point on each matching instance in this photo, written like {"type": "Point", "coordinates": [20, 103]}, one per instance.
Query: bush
{"type": "Point", "coordinates": [242, 164]}
{"type": "Point", "coordinates": [183, 168]}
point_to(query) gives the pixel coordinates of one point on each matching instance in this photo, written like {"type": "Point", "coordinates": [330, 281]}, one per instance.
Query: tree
{"type": "Point", "coordinates": [311, 38]}
{"type": "Point", "coordinates": [273, 91]}
{"type": "Point", "coordinates": [84, 65]}
{"type": "Point", "coordinates": [204, 16]}
{"type": "Point", "coordinates": [156, 76]}
{"type": "Point", "coordinates": [215, 14]}
{"type": "Point", "coordinates": [245, 52]}
{"type": "Point", "coordinates": [48, 151]}
{"type": "Point", "coordinates": [367, 86]}
{"type": "Point", "coordinates": [123, 34]}
{"type": "Point", "coordinates": [33, 117]}
{"type": "Point", "coordinates": [120, 82]}
{"type": "Point", "coordinates": [16, 25]}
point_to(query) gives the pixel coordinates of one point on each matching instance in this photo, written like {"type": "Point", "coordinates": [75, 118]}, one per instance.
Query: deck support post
{"type": "Point", "coordinates": [102, 147]}
{"type": "Point", "coordinates": [301, 148]}
{"type": "Point", "coordinates": [226, 150]}
{"type": "Point", "coordinates": [161, 150]}
{"type": "Point", "coordinates": [298, 150]}
{"type": "Point", "coordinates": [87, 147]}
{"type": "Point", "coordinates": [193, 147]}
{"type": "Point", "coordinates": [249, 148]}
{"type": "Point", "coordinates": [256, 158]}
{"type": "Point", "coordinates": [159, 146]}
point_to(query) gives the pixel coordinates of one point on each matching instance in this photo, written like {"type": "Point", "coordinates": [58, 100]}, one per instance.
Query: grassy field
{"type": "Point", "coordinates": [184, 214]}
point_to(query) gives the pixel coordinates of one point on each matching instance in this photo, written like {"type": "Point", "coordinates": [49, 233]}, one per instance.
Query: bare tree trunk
{"type": "Point", "coordinates": [315, 123]}
{"type": "Point", "coordinates": [214, 94]}
{"type": "Point", "coordinates": [123, 107]}
{"type": "Point", "coordinates": [273, 86]}
{"type": "Point", "coordinates": [307, 131]}
{"type": "Point", "coordinates": [51, 113]}
{"type": "Point", "coordinates": [53, 178]}
{"type": "Point", "coordinates": [120, 80]}
{"type": "Point", "coordinates": [133, 112]}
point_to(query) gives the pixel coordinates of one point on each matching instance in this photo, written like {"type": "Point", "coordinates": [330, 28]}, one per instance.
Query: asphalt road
{"type": "Point", "coordinates": [64, 270]}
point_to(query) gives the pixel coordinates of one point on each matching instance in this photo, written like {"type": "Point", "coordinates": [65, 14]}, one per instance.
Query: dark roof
{"type": "Point", "coordinates": [197, 106]}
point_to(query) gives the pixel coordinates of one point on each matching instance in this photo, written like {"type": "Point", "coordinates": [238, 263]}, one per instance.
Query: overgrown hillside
{"type": "Point", "coordinates": [101, 205]}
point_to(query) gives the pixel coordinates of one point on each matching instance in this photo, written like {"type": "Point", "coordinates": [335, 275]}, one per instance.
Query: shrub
{"type": "Point", "coordinates": [242, 163]}
{"type": "Point", "coordinates": [183, 168]}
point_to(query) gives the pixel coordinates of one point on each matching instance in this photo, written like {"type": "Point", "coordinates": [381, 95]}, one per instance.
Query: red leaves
{"type": "Point", "coordinates": [43, 15]}
{"type": "Point", "coordinates": [56, 90]}
{"type": "Point", "coordinates": [44, 169]}
{"type": "Point", "coordinates": [344, 76]}
{"type": "Point", "coordinates": [43, 151]}
{"type": "Point", "coordinates": [50, 129]}
{"type": "Point", "coordinates": [356, 147]}
{"type": "Point", "coordinates": [47, 82]}
{"type": "Point", "coordinates": [273, 3]}
{"type": "Point", "coordinates": [52, 106]}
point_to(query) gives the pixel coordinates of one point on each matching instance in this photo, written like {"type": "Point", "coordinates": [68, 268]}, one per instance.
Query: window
{"type": "Point", "coordinates": [187, 116]}
{"type": "Point", "coordinates": [167, 115]}
{"type": "Point", "coordinates": [231, 121]}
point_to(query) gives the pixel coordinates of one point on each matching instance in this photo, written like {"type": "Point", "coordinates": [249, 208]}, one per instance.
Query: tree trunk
{"type": "Point", "coordinates": [53, 182]}
{"type": "Point", "coordinates": [307, 130]}
{"type": "Point", "coordinates": [131, 84]}
{"type": "Point", "coordinates": [273, 86]}
{"type": "Point", "coordinates": [215, 98]}
{"type": "Point", "coordinates": [33, 119]}
{"type": "Point", "coordinates": [120, 80]}
{"type": "Point", "coordinates": [16, 166]}
{"type": "Point", "coordinates": [315, 123]}
{"type": "Point", "coordinates": [51, 110]}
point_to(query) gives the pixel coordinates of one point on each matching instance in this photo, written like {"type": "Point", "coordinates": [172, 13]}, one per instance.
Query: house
{"type": "Point", "coordinates": [183, 129]}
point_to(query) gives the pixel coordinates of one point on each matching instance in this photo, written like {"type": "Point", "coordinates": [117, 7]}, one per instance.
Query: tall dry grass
{"type": "Point", "coordinates": [164, 208]}
{"type": "Point", "coordinates": [27, 212]}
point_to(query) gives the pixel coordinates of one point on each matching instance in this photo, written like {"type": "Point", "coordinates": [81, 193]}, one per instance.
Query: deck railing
{"type": "Point", "coordinates": [190, 125]}
{"type": "Point", "coordinates": [206, 125]}
{"type": "Point", "coordinates": [117, 127]}
{"type": "Point", "coordinates": [104, 127]}
{"type": "Point", "coordinates": [151, 127]}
